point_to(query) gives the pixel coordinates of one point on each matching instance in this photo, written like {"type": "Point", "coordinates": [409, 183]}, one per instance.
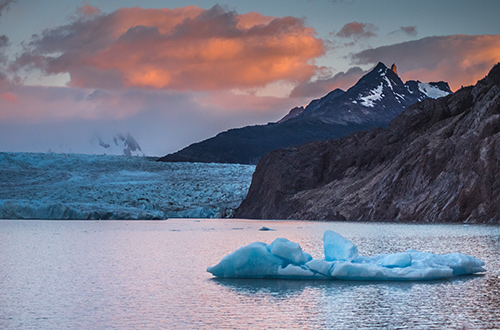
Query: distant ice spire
{"type": "Point", "coordinates": [394, 68]}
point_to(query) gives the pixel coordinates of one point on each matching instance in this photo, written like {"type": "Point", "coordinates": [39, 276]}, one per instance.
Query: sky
{"type": "Point", "coordinates": [172, 73]}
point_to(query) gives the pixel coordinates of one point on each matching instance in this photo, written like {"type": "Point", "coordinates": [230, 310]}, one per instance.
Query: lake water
{"type": "Point", "coordinates": [152, 275]}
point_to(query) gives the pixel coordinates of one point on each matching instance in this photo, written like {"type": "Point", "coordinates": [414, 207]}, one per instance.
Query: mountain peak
{"type": "Point", "coordinates": [381, 72]}
{"type": "Point", "coordinates": [379, 66]}
{"type": "Point", "coordinates": [394, 68]}
{"type": "Point", "coordinates": [493, 76]}
{"type": "Point", "coordinates": [377, 98]}
{"type": "Point", "coordinates": [120, 144]}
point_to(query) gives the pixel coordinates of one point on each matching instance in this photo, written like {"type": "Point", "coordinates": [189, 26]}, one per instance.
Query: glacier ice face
{"type": "Point", "coordinates": [285, 259]}
{"type": "Point", "coordinates": [72, 186]}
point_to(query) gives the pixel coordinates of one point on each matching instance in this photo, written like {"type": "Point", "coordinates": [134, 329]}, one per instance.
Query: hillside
{"type": "Point", "coordinates": [438, 161]}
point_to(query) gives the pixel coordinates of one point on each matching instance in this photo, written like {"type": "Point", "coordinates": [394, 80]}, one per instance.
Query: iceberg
{"type": "Point", "coordinates": [337, 247]}
{"type": "Point", "coordinates": [285, 259]}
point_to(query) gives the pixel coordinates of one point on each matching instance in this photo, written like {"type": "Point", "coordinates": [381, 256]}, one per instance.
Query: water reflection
{"type": "Point", "coordinates": [277, 287]}
{"type": "Point", "coordinates": [273, 287]}
{"type": "Point", "coordinates": [129, 275]}
{"type": "Point", "coordinates": [340, 304]}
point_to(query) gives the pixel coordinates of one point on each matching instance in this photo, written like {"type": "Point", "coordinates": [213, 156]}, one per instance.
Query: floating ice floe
{"type": "Point", "coordinates": [285, 259]}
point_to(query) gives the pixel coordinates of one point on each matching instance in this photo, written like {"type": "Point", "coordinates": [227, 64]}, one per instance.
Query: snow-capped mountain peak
{"type": "Point", "coordinates": [98, 143]}
{"type": "Point", "coordinates": [120, 144]}
{"type": "Point", "coordinates": [376, 99]}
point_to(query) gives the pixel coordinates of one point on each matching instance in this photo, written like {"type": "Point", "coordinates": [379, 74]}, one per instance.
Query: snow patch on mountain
{"type": "Point", "coordinates": [431, 90]}
{"type": "Point", "coordinates": [374, 95]}
{"type": "Point", "coordinates": [388, 82]}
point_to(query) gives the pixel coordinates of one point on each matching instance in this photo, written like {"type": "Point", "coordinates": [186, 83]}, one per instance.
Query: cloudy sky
{"type": "Point", "coordinates": [176, 72]}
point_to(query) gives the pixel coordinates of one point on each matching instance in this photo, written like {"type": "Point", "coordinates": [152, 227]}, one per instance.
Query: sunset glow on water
{"type": "Point", "coordinates": [130, 274]}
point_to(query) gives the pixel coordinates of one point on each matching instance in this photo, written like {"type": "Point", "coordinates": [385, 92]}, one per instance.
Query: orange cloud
{"type": "Point", "coordinates": [88, 10]}
{"type": "Point", "coordinates": [268, 107]}
{"type": "Point", "coordinates": [252, 19]}
{"type": "Point", "coordinates": [181, 49]}
{"type": "Point", "coordinates": [458, 59]}
{"type": "Point", "coordinates": [9, 97]}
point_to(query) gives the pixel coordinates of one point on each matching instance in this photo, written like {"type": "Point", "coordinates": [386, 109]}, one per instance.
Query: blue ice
{"type": "Point", "coordinates": [285, 259]}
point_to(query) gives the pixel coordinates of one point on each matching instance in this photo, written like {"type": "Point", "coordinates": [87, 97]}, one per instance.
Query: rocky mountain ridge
{"type": "Point", "coordinates": [438, 161]}
{"type": "Point", "coordinates": [376, 99]}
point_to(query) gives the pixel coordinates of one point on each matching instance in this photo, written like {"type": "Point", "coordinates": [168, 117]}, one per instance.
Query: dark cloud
{"type": "Point", "coordinates": [185, 48]}
{"type": "Point", "coordinates": [4, 42]}
{"type": "Point", "coordinates": [4, 5]}
{"type": "Point", "coordinates": [409, 30]}
{"type": "Point", "coordinates": [457, 59]}
{"type": "Point", "coordinates": [357, 30]}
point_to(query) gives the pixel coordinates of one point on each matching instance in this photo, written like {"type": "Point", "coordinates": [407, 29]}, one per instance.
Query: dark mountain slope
{"type": "Point", "coordinates": [439, 161]}
{"type": "Point", "coordinates": [374, 101]}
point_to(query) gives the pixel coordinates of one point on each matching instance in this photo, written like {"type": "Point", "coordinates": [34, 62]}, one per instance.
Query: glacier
{"type": "Point", "coordinates": [75, 186]}
{"type": "Point", "coordinates": [286, 260]}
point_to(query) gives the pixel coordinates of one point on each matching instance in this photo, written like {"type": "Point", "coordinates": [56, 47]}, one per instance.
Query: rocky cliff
{"type": "Point", "coordinates": [439, 161]}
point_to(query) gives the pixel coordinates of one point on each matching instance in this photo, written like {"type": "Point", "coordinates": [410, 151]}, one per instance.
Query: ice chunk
{"type": "Point", "coordinates": [397, 260]}
{"type": "Point", "coordinates": [354, 271]}
{"type": "Point", "coordinates": [296, 272]}
{"type": "Point", "coordinates": [337, 247]}
{"type": "Point", "coordinates": [289, 251]}
{"type": "Point", "coordinates": [372, 271]}
{"type": "Point", "coordinates": [285, 259]}
{"type": "Point", "coordinates": [319, 266]}
{"type": "Point", "coordinates": [459, 264]}
{"type": "Point", "coordinates": [253, 260]}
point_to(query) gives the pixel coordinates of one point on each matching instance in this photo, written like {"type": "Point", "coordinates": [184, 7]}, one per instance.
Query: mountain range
{"type": "Point", "coordinates": [436, 162]}
{"type": "Point", "coordinates": [118, 144]}
{"type": "Point", "coordinates": [376, 99]}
